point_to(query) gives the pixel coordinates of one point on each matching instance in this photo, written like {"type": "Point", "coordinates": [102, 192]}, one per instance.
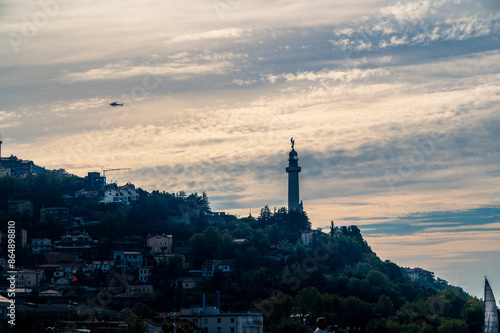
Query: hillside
{"type": "Point", "coordinates": [336, 276]}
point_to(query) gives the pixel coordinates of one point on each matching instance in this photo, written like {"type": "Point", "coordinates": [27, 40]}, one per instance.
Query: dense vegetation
{"type": "Point", "coordinates": [337, 276]}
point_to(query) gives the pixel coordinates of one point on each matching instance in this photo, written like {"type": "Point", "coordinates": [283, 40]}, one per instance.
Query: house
{"type": "Point", "coordinates": [212, 320]}
{"type": "Point", "coordinates": [61, 282]}
{"type": "Point", "coordinates": [75, 241]}
{"type": "Point", "coordinates": [124, 195]}
{"type": "Point", "coordinates": [128, 260]}
{"type": "Point", "coordinates": [159, 244]}
{"type": "Point", "coordinates": [210, 266]}
{"type": "Point", "coordinates": [41, 245]}
{"type": "Point", "coordinates": [58, 215]}
{"type": "Point", "coordinates": [17, 166]}
{"type": "Point", "coordinates": [188, 282]}
{"type": "Point", "coordinates": [27, 278]}
{"type": "Point", "coordinates": [419, 273]}
{"type": "Point", "coordinates": [20, 207]}
{"type": "Point", "coordinates": [131, 192]}
{"type": "Point", "coordinates": [144, 273]}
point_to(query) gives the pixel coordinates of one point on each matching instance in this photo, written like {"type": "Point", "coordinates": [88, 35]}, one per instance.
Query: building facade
{"type": "Point", "coordinates": [58, 215]}
{"type": "Point", "coordinates": [28, 278]}
{"type": "Point", "coordinates": [212, 320]}
{"type": "Point", "coordinates": [41, 245]}
{"type": "Point", "coordinates": [75, 242]}
{"type": "Point", "coordinates": [20, 207]}
{"type": "Point", "coordinates": [160, 244]}
{"type": "Point", "coordinates": [18, 167]}
{"type": "Point", "coordinates": [128, 260]}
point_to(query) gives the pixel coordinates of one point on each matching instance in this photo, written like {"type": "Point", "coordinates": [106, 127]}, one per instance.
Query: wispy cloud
{"type": "Point", "coordinates": [212, 34]}
{"type": "Point", "coordinates": [329, 75]}
{"type": "Point", "coordinates": [175, 71]}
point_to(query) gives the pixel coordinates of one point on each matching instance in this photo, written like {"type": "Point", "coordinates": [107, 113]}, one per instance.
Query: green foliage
{"type": "Point", "coordinates": [143, 311]}
{"type": "Point", "coordinates": [135, 323]}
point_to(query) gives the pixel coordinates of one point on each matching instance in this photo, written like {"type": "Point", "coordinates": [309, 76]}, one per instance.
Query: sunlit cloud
{"type": "Point", "coordinates": [175, 71]}
{"type": "Point", "coordinates": [212, 34]}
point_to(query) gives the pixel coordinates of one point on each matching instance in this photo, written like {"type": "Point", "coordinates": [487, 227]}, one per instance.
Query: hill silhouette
{"type": "Point", "coordinates": [336, 276]}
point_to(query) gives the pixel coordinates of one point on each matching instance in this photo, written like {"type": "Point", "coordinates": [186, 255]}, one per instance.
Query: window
{"type": "Point", "coordinates": [232, 329]}
{"type": "Point", "coordinates": [218, 320]}
{"type": "Point", "coordinates": [232, 320]}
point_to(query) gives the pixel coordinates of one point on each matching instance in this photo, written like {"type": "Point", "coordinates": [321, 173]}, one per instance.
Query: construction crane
{"type": "Point", "coordinates": [105, 170]}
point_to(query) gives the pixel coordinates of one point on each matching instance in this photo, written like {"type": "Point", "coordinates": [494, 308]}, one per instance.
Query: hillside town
{"type": "Point", "coordinates": [94, 256]}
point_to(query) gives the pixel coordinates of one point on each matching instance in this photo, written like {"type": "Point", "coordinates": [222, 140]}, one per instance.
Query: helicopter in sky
{"type": "Point", "coordinates": [115, 104]}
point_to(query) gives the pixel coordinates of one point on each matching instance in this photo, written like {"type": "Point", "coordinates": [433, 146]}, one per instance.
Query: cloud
{"type": "Point", "coordinates": [411, 23]}
{"type": "Point", "coordinates": [175, 71]}
{"type": "Point", "coordinates": [212, 34]}
{"type": "Point", "coordinates": [329, 75]}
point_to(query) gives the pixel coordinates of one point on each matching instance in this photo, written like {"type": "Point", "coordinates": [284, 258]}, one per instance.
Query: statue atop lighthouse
{"type": "Point", "coordinates": [293, 170]}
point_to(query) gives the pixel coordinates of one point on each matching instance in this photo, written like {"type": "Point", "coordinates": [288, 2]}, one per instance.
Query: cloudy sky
{"type": "Point", "coordinates": [394, 107]}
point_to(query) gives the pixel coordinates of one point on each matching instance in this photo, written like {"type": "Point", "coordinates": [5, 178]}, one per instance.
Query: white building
{"type": "Point", "coordinates": [419, 273]}
{"type": "Point", "coordinates": [212, 320]}
{"type": "Point", "coordinates": [124, 195]}
{"type": "Point", "coordinates": [41, 245]}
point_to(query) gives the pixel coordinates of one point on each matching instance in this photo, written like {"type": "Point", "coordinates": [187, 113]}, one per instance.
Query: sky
{"type": "Point", "coordinates": [393, 105]}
